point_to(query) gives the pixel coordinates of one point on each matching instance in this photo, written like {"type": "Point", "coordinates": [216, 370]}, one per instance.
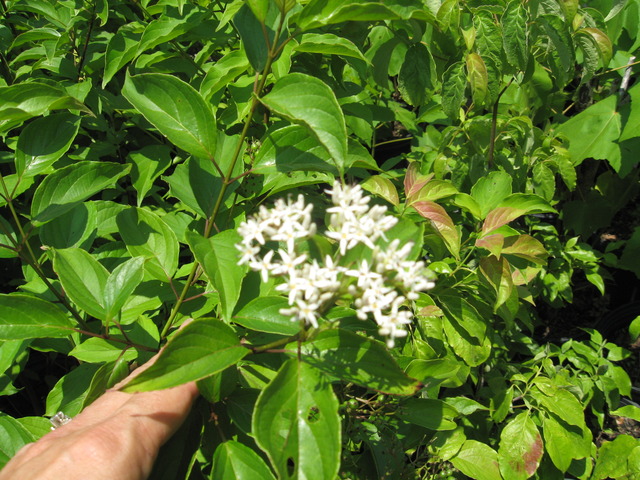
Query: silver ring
{"type": "Point", "coordinates": [58, 420]}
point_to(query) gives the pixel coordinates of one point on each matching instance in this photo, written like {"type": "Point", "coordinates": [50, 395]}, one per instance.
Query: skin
{"type": "Point", "coordinates": [117, 436]}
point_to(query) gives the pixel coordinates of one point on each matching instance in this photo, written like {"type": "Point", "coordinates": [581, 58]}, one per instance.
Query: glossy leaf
{"type": "Point", "coordinates": [223, 72]}
{"type": "Point", "coordinates": [44, 141]}
{"type": "Point", "coordinates": [564, 442]}
{"type": "Point", "coordinates": [527, 247]}
{"type": "Point", "coordinates": [202, 348]}
{"type": "Point", "coordinates": [120, 285]}
{"type": "Point", "coordinates": [442, 223]}
{"type": "Point", "coordinates": [62, 190]}
{"type": "Point", "coordinates": [308, 101]}
{"type": "Point", "coordinates": [465, 329]}
{"type": "Point", "coordinates": [148, 164]}
{"type": "Point", "coordinates": [99, 350]}
{"type": "Point", "coordinates": [328, 44]}
{"type": "Point", "coordinates": [121, 49]}
{"type": "Point", "coordinates": [252, 31]}
{"type": "Point", "coordinates": [176, 109]}
{"type": "Point", "coordinates": [383, 187]}
{"type": "Point", "coordinates": [146, 235]}
{"type": "Point", "coordinates": [263, 315]}
{"type": "Point", "coordinates": [219, 259]}
{"type": "Point", "coordinates": [83, 279]}
{"type": "Point", "coordinates": [521, 448]}
{"type": "Point", "coordinates": [235, 461]}
{"type": "Point", "coordinates": [334, 352]}
{"type": "Point", "coordinates": [23, 316]}
{"type": "Point", "coordinates": [72, 228]}
{"type": "Point", "coordinates": [498, 274]}
{"type": "Point", "coordinates": [13, 436]}
{"type": "Point", "coordinates": [491, 189]}
{"type": "Point", "coordinates": [512, 207]}
{"type": "Point", "coordinates": [296, 423]}
{"type": "Point", "coordinates": [414, 180]}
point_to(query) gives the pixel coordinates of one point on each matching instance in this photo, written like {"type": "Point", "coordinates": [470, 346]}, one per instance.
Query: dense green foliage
{"type": "Point", "coordinates": [138, 135]}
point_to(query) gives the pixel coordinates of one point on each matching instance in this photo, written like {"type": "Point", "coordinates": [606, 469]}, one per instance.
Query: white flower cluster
{"type": "Point", "coordinates": [379, 288]}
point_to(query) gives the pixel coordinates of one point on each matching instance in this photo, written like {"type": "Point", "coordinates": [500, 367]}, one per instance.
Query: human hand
{"type": "Point", "coordinates": [116, 437]}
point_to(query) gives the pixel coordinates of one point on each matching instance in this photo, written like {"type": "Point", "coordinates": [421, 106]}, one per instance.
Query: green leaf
{"type": "Point", "coordinates": [296, 423]}
{"type": "Point", "coordinates": [328, 44]}
{"type": "Point", "coordinates": [44, 141]}
{"type": "Point", "coordinates": [262, 314]}
{"type": "Point", "coordinates": [148, 164]}
{"type": "Point", "coordinates": [146, 235]}
{"type": "Point", "coordinates": [520, 449]}
{"type": "Point", "coordinates": [22, 317]}
{"type": "Point", "coordinates": [454, 84]}
{"type": "Point", "coordinates": [465, 330]}
{"type": "Point", "coordinates": [62, 190]}
{"type": "Point", "coordinates": [564, 442]}
{"type": "Point", "coordinates": [417, 75]}
{"type": "Point", "coordinates": [613, 457]}
{"type": "Point", "coordinates": [120, 285]}
{"type": "Point", "coordinates": [601, 41]}
{"type": "Point", "coordinates": [83, 279]}
{"type": "Point", "coordinates": [561, 55]}
{"type": "Point", "coordinates": [634, 329]}
{"type": "Point", "coordinates": [121, 49]}
{"type": "Point", "coordinates": [99, 350]}
{"type": "Point", "coordinates": [176, 109]}
{"type": "Point", "coordinates": [429, 413]}
{"type": "Point", "coordinates": [512, 207]}
{"type": "Point", "coordinates": [360, 360]}
{"type": "Point", "coordinates": [308, 101]}
{"type": "Point", "coordinates": [544, 182]}
{"type": "Point", "coordinates": [490, 190]}
{"type": "Point", "coordinates": [252, 32]}
{"type": "Point", "coordinates": [478, 77]}
{"type": "Point", "coordinates": [443, 224]}
{"type": "Point", "coordinates": [478, 461]}
{"type": "Point", "coordinates": [72, 228]}
{"type": "Point", "coordinates": [515, 35]}
{"type": "Point", "coordinates": [22, 101]}
{"type": "Point", "coordinates": [69, 394]}
{"type": "Point", "coordinates": [202, 348]}
{"type": "Point", "coordinates": [166, 28]}
{"type": "Point", "coordinates": [221, 74]}
{"type": "Point", "coordinates": [383, 187]}
{"type": "Point", "coordinates": [497, 272]}
{"type": "Point", "coordinates": [13, 436]}
{"type": "Point", "coordinates": [560, 402]}
{"type": "Point", "coordinates": [527, 247]}
{"type": "Point", "coordinates": [235, 461]}
{"type": "Point", "coordinates": [593, 133]}
{"type": "Point", "coordinates": [197, 184]}
{"type": "Point", "coordinates": [219, 259]}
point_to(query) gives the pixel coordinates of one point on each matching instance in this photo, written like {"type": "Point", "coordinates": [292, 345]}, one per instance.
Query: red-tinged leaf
{"type": "Point", "coordinates": [414, 180]}
{"type": "Point", "coordinates": [493, 243]}
{"type": "Point", "coordinates": [524, 276]}
{"type": "Point", "coordinates": [525, 246]}
{"type": "Point", "coordinates": [512, 207]}
{"type": "Point", "coordinates": [435, 190]}
{"type": "Point", "coordinates": [520, 449]}
{"type": "Point", "coordinates": [442, 223]}
{"type": "Point", "coordinates": [498, 273]}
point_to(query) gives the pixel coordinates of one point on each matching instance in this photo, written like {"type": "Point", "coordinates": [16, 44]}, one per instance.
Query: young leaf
{"type": "Point", "coordinates": [417, 75]}
{"type": "Point", "coordinates": [234, 460]}
{"type": "Point", "coordinates": [512, 207]}
{"type": "Point", "coordinates": [219, 259]}
{"type": "Point", "coordinates": [498, 274]}
{"type": "Point", "coordinates": [478, 77]}
{"type": "Point", "coordinates": [308, 101]}
{"type": "Point", "coordinates": [202, 348]}
{"type": "Point", "coordinates": [333, 351]}
{"type": "Point", "coordinates": [520, 449]}
{"type": "Point", "coordinates": [383, 187]}
{"type": "Point", "coordinates": [146, 235]}
{"type": "Point", "coordinates": [414, 180]}
{"type": "Point", "coordinates": [22, 317]}
{"type": "Point", "coordinates": [60, 191]}
{"type": "Point", "coordinates": [296, 423]}
{"type": "Point", "coordinates": [176, 109]}
{"type": "Point", "coordinates": [527, 247]}
{"type": "Point", "coordinates": [442, 223]}
{"type": "Point", "coordinates": [83, 279]}
{"type": "Point", "coordinates": [44, 141]}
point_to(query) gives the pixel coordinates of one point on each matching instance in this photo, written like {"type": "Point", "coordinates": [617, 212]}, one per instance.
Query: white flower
{"type": "Point", "coordinates": [264, 266]}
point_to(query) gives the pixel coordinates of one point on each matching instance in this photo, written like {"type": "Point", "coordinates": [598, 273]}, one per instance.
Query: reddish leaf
{"type": "Point", "coordinates": [493, 243]}
{"type": "Point", "coordinates": [520, 449]}
{"type": "Point", "coordinates": [525, 246]}
{"type": "Point", "coordinates": [442, 223]}
{"type": "Point", "coordinates": [414, 180]}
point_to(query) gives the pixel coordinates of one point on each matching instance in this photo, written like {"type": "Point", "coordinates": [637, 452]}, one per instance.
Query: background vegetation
{"type": "Point", "coordinates": [137, 135]}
